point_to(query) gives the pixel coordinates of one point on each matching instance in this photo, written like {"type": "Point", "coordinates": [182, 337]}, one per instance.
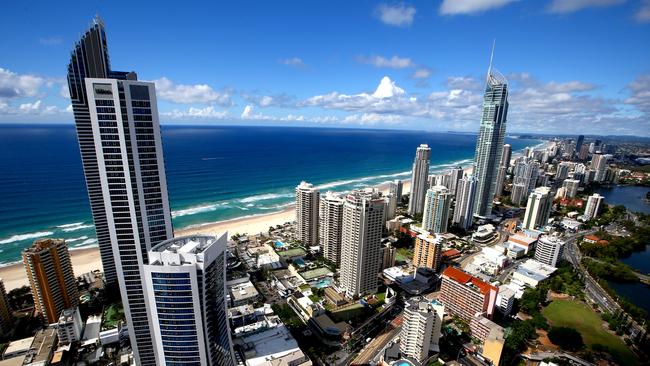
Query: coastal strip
{"type": "Point", "coordinates": [87, 259]}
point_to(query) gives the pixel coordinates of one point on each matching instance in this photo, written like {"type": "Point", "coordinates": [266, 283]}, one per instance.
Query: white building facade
{"type": "Point", "coordinates": [361, 249]}
{"type": "Point", "coordinates": [421, 328]}
{"type": "Point", "coordinates": [330, 226]}
{"type": "Point", "coordinates": [436, 209]}
{"type": "Point", "coordinates": [186, 297]}
{"type": "Point", "coordinates": [307, 198]}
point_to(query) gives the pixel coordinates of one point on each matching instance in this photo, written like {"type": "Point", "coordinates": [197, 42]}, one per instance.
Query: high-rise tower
{"type": "Point", "coordinates": [307, 197]}
{"type": "Point", "coordinates": [489, 145]}
{"type": "Point", "coordinates": [50, 275]}
{"type": "Point", "coordinates": [419, 179]}
{"type": "Point", "coordinates": [465, 198]}
{"type": "Point", "coordinates": [361, 258]}
{"type": "Point", "coordinates": [436, 209]}
{"type": "Point", "coordinates": [121, 149]}
{"type": "Point", "coordinates": [185, 286]}
{"type": "Point", "coordinates": [330, 226]}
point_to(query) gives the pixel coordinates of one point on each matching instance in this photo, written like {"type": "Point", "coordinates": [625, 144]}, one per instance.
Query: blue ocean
{"type": "Point", "coordinates": [214, 173]}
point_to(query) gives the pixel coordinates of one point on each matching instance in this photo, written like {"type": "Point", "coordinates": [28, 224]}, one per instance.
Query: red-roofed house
{"type": "Point", "coordinates": [591, 239]}
{"type": "Point", "coordinates": [465, 295]}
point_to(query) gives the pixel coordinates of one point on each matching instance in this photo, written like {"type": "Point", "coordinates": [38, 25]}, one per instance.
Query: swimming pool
{"type": "Point", "coordinates": [278, 244]}
{"type": "Point", "coordinates": [322, 283]}
{"type": "Point", "coordinates": [299, 262]}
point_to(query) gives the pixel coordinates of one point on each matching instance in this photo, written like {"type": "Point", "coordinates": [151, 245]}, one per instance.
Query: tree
{"type": "Point", "coordinates": [567, 338]}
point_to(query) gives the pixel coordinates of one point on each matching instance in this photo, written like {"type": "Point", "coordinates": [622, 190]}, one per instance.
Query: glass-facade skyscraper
{"type": "Point", "coordinates": [185, 287]}
{"type": "Point", "coordinates": [489, 145]}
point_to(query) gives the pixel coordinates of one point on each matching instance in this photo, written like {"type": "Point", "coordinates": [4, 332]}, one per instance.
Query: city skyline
{"type": "Point", "coordinates": [222, 77]}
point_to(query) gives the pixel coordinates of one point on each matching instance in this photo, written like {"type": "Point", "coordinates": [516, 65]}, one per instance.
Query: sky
{"type": "Point", "coordinates": [573, 66]}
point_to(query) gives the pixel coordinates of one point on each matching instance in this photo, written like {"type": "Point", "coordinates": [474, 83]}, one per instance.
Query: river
{"type": "Point", "coordinates": [633, 198]}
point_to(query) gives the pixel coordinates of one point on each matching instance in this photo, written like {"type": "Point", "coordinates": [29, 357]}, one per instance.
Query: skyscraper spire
{"type": "Point", "coordinates": [494, 43]}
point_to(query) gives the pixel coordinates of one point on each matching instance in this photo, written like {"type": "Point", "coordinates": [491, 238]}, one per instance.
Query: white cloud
{"type": "Point", "coordinates": [394, 62]}
{"type": "Point", "coordinates": [293, 61]}
{"type": "Point", "coordinates": [265, 100]}
{"type": "Point", "coordinates": [643, 14]}
{"type": "Point", "coordinates": [565, 6]}
{"type": "Point", "coordinates": [453, 7]}
{"type": "Point", "coordinates": [535, 106]}
{"type": "Point", "coordinates": [396, 15]}
{"type": "Point", "coordinates": [13, 85]}
{"type": "Point", "coordinates": [197, 93]}
{"type": "Point", "coordinates": [373, 118]}
{"type": "Point", "coordinates": [64, 92]}
{"type": "Point", "coordinates": [249, 114]}
{"type": "Point", "coordinates": [387, 89]}
{"type": "Point", "coordinates": [639, 90]}
{"type": "Point", "coordinates": [422, 73]}
{"type": "Point", "coordinates": [203, 113]}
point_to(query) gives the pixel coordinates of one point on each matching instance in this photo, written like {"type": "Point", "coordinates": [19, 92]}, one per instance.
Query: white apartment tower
{"type": "Point", "coordinates": [506, 155]}
{"type": "Point", "coordinates": [538, 209]}
{"type": "Point", "coordinates": [549, 250]}
{"type": "Point", "coordinates": [121, 150]}
{"type": "Point", "coordinates": [599, 164]}
{"type": "Point", "coordinates": [307, 197]}
{"type": "Point", "coordinates": [593, 206]}
{"type": "Point", "coordinates": [464, 210]}
{"type": "Point", "coordinates": [129, 154]}
{"type": "Point", "coordinates": [421, 328]}
{"type": "Point", "coordinates": [436, 209]}
{"type": "Point", "coordinates": [361, 250]}
{"type": "Point", "coordinates": [419, 178]}
{"type": "Point", "coordinates": [330, 226]}
{"type": "Point", "coordinates": [571, 186]}
{"type": "Point", "coordinates": [455, 175]}
{"type": "Point", "coordinates": [395, 187]}
{"type": "Point", "coordinates": [185, 287]}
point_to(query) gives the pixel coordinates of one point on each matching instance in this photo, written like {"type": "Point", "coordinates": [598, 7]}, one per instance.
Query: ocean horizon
{"type": "Point", "coordinates": [214, 173]}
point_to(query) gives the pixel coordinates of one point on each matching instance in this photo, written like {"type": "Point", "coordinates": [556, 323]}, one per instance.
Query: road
{"type": "Point", "coordinates": [593, 290]}
{"type": "Point", "coordinates": [371, 350]}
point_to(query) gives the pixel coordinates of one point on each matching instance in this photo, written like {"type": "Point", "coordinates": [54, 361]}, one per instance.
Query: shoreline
{"type": "Point", "coordinates": [87, 259]}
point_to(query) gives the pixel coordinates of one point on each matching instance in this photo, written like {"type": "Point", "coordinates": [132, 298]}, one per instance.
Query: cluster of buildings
{"type": "Point", "coordinates": [184, 300]}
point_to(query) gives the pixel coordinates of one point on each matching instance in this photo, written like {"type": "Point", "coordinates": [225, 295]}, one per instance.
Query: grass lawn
{"type": "Point", "coordinates": [580, 317]}
{"type": "Point", "coordinates": [403, 254]}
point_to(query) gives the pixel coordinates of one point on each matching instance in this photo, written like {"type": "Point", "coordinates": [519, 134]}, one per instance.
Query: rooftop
{"type": "Point", "coordinates": [182, 250]}
{"type": "Point", "coordinates": [43, 244]}
{"type": "Point", "coordinates": [19, 346]}
{"type": "Point", "coordinates": [42, 346]}
{"type": "Point", "coordinates": [467, 279]}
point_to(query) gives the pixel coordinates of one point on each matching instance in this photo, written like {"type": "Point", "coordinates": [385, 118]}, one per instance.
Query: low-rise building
{"type": "Point", "coordinates": [244, 293]}
{"type": "Point", "coordinates": [273, 346]}
{"type": "Point", "coordinates": [484, 234]}
{"type": "Point", "coordinates": [532, 272]}
{"type": "Point", "coordinates": [17, 348]}
{"type": "Point", "coordinates": [69, 326]}
{"type": "Point", "coordinates": [523, 241]}
{"type": "Point", "coordinates": [42, 348]}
